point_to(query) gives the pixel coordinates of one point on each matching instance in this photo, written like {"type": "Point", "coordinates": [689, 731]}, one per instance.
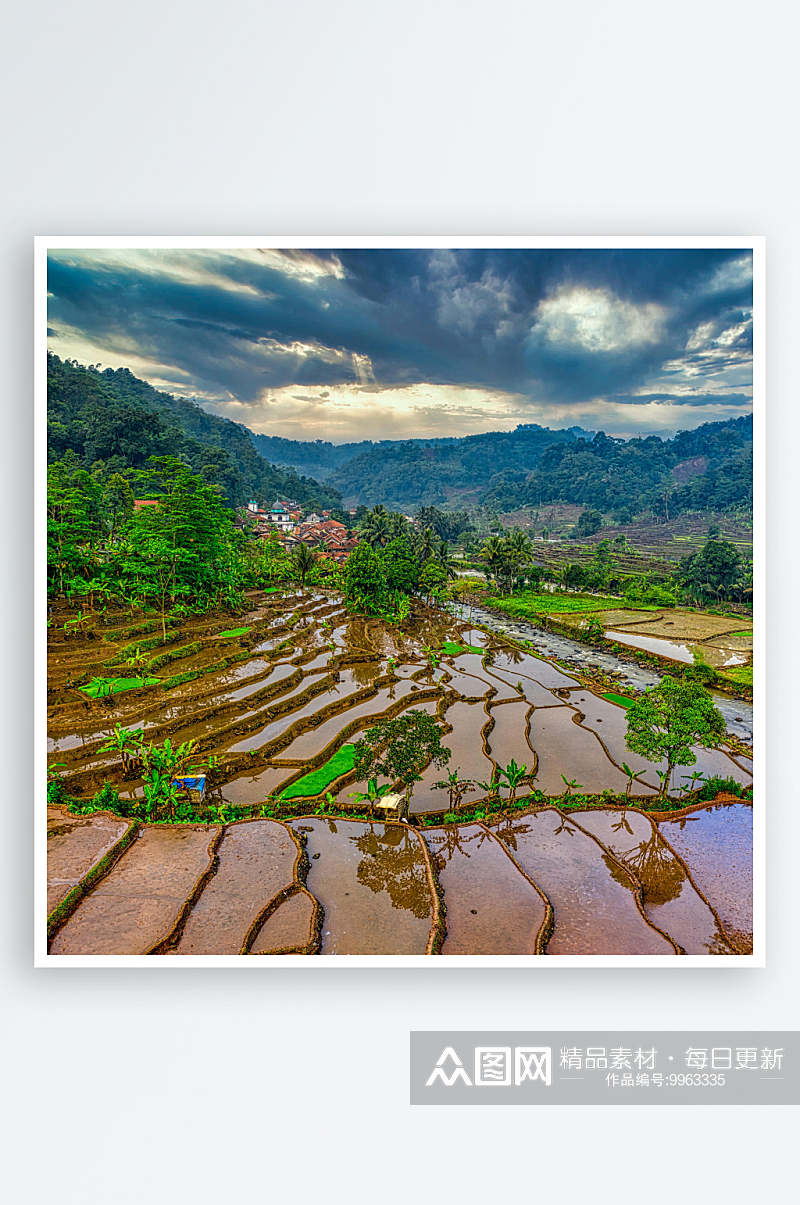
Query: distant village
{"type": "Point", "coordinates": [330, 538]}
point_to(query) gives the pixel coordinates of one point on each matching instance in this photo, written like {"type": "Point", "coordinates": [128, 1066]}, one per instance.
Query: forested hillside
{"type": "Point", "coordinates": [112, 419]}
{"type": "Point", "coordinates": [318, 457]}
{"type": "Point", "coordinates": [709, 468]}
{"type": "Point", "coordinates": [412, 474]}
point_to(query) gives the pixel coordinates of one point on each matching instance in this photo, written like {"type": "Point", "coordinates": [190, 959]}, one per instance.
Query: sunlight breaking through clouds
{"type": "Point", "coordinates": [343, 344]}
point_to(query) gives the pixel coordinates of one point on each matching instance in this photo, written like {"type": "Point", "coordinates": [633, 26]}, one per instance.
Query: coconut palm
{"type": "Point", "coordinates": [303, 561]}
{"type": "Point", "coordinates": [377, 528]}
{"type": "Point", "coordinates": [427, 544]}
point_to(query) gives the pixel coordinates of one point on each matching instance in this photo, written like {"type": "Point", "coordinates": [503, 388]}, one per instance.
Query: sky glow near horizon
{"type": "Point", "coordinates": [393, 344]}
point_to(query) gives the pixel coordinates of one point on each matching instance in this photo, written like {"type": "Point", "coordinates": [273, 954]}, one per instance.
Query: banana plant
{"type": "Point", "coordinates": [372, 794]}
{"type": "Point", "coordinates": [138, 661]}
{"type": "Point", "coordinates": [571, 785]}
{"type": "Point", "coordinates": [631, 775]}
{"type": "Point", "coordinates": [492, 788]}
{"type": "Point", "coordinates": [455, 786]}
{"type": "Point", "coordinates": [693, 778]}
{"type": "Point", "coordinates": [76, 624]}
{"type": "Point", "coordinates": [103, 687]}
{"type": "Point", "coordinates": [128, 743]}
{"type": "Point", "coordinates": [513, 775]}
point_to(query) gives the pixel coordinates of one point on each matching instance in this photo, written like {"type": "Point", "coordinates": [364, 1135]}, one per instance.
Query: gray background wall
{"type": "Point", "coordinates": [368, 117]}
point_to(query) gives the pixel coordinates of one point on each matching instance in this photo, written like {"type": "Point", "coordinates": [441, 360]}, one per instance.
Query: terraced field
{"type": "Point", "coordinates": [293, 686]}
{"type": "Point", "coordinates": [608, 881]}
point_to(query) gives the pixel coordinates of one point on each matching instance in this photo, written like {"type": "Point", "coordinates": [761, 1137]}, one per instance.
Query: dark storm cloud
{"type": "Point", "coordinates": [560, 326]}
{"type": "Point", "coordinates": [739, 401]}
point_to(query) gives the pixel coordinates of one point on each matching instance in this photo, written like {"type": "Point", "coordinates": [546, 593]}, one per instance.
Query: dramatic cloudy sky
{"type": "Point", "coordinates": [377, 344]}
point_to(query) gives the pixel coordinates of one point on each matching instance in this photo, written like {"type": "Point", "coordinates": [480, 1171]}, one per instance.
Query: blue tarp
{"type": "Point", "coordinates": [191, 784]}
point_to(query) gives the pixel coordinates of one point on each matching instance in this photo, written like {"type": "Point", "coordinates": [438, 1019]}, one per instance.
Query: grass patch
{"type": "Point", "coordinates": [620, 699]}
{"type": "Point", "coordinates": [529, 604]}
{"type": "Point", "coordinates": [117, 685]}
{"type": "Point", "coordinates": [317, 781]}
{"type": "Point", "coordinates": [235, 632]}
{"type": "Point", "coordinates": [186, 650]}
{"type": "Point", "coordinates": [741, 675]}
{"type": "Point", "coordinates": [451, 649]}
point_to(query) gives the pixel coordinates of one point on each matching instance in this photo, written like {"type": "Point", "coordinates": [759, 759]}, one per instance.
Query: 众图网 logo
{"type": "Point", "coordinates": [494, 1067]}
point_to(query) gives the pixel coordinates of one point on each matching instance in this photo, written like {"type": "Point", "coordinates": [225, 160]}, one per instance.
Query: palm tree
{"type": "Point", "coordinates": [427, 544]}
{"type": "Point", "coordinates": [447, 563]}
{"type": "Point", "coordinates": [377, 528]}
{"type": "Point", "coordinates": [303, 561]}
{"type": "Point", "coordinates": [492, 555]}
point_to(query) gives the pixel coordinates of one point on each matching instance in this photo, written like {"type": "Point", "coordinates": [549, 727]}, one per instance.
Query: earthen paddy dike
{"type": "Point", "coordinates": [277, 702]}
{"type": "Point", "coordinates": [596, 882]}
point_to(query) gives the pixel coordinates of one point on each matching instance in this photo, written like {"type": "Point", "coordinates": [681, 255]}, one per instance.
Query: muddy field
{"type": "Point", "coordinates": [597, 882]}
{"type": "Point", "coordinates": [718, 640]}
{"type": "Point", "coordinates": [276, 693]}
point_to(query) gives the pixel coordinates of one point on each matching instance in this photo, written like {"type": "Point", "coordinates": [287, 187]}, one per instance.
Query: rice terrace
{"type": "Point", "coordinates": [359, 712]}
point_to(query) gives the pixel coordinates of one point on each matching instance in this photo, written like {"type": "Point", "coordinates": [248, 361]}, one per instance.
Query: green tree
{"type": "Point", "coordinates": [588, 523]}
{"type": "Point", "coordinates": [186, 545]}
{"type": "Point", "coordinates": [303, 561]}
{"type": "Point", "coordinates": [400, 748]}
{"type": "Point", "coordinates": [668, 719]}
{"type": "Point", "coordinates": [717, 569]}
{"type": "Point", "coordinates": [364, 584]}
{"type": "Point", "coordinates": [432, 579]}
{"type": "Point", "coordinates": [400, 566]}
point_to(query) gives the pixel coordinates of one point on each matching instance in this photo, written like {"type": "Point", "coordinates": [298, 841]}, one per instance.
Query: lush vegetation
{"type": "Point", "coordinates": [319, 458]}
{"type": "Point", "coordinates": [409, 474]}
{"type": "Point", "coordinates": [717, 572]}
{"type": "Point", "coordinates": [709, 468]}
{"type": "Point", "coordinates": [400, 749]}
{"type": "Point", "coordinates": [668, 719]}
{"type": "Point", "coordinates": [109, 422]}
{"type": "Point", "coordinates": [394, 560]}
{"type": "Point", "coordinates": [181, 553]}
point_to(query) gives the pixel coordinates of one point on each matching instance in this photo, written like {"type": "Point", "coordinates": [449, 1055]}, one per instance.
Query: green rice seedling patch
{"type": "Point", "coordinates": [186, 650]}
{"type": "Point", "coordinates": [313, 784]}
{"type": "Point", "coordinates": [619, 699]}
{"type": "Point", "coordinates": [236, 632]}
{"type": "Point", "coordinates": [117, 685]}
{"type": "Point", "coordinates": [451, 649]}
{"type": "Point", "coordinates": [741, 675]}
{"type": "Point", "coordinates": [525, 605]}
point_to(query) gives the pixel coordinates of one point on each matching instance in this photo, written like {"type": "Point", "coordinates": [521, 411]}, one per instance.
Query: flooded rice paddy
{"type": "Point", "coordinates": [281, 699]}
{"type": "Point", "coordinates": [599, 882]}
{"type": "Point", "coordinates": [491, 907]}
{"type": "Point", "coordinates": [596, 902]}
{"type": "Point", "coordinates": [716, 843]}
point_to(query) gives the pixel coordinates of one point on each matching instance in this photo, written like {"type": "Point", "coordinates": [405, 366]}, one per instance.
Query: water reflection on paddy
{"type": "Point", "coordinates": [717, 654]}
{"type": "Point", "coordinates": [310, 744]}
{"type": "Point", "coordinates": [668, 896]}
{"type": "Point", "coordinates": [491, 907]}
{"type": "Point", "coordinates": [372, 884]}
{"type": "Point", "coordinates": [716, 842]}
{"type": "Point", "coordinates": [278, 726]}
{"type": "Point", "coordinates": [507, 740]}
{"type": "Point", "coordinates": [466, 745]}
{"type": "Point", "coordinates": [565, 748]}
{"type": "Point", "coordinates": [593, 900]}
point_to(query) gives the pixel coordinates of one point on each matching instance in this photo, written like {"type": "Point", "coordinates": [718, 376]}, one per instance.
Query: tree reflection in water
{"type": "Point", "coordinates": [657, 869]}
{"type": "Point", "coordinates": [445, 842]}
{"type": "Point", "coordinates": [392, 861]}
